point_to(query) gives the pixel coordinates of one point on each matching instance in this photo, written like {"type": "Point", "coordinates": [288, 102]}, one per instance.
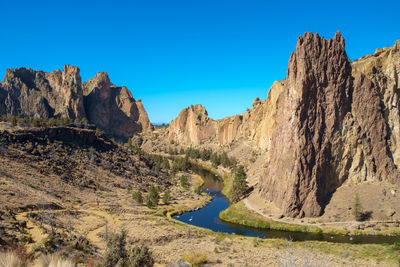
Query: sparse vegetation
{"type": "Point", "coordinates": [43, 122]}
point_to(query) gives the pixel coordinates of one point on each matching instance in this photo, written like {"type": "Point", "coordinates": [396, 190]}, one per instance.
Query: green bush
{"type": "Point", "coordinates": [137, 196]}
{"type": "Point", "coordinates": [140, 257]}
{"type": "Point", "coordinates": [116, 253]}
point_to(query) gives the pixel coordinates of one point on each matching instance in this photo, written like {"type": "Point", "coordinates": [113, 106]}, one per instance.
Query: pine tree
{"type": "Point", "coordinates": [153, 197]}
{"type": "Point", "coordinates": [167, 197]}
{"type": "Point", "coordinates": [357, 209]}
{"type": "Point", "coordinates": [240, 185]}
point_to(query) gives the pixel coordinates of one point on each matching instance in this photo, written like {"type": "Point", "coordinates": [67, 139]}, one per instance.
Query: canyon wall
{"type": "Point", "coordinates": [329, 121]}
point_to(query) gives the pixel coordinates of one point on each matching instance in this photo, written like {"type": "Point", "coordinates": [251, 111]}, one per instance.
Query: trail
{"type": "Point", "coordinates": [91, 235]}
{"type": "Point", "coordinates": [33, 229]}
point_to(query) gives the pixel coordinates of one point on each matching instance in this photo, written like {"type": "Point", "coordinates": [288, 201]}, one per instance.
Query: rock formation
{"type": "Point", "coordinates": [328, 122]}
{"type": "Point", "coordinates": [26, 92]}
{"type": "Point", "coordinates": [113, 108]}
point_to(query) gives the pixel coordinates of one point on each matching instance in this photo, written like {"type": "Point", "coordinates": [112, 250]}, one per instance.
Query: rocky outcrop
{"type": "Point", "coordinates": [192, 126]}
{"type": "Point", "coordinates": [32, 93]}
{"type": "Point", "coordinates": [26, 92]}
{"type": "Point", "coordinates": [83, 138]}
{"type": "Point", "coordinates": [330, 121]}
{"type": "Point", "coordinates": [113, 108]}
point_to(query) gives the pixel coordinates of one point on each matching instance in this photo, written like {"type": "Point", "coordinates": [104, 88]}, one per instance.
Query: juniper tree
{"type": "Point", "coordinates": [357, 209]}
{"type": "Point", "coordinates": [153, 197]}
{"type": "Point", "coordinates": [240, 186]}
{"type": "Point", "coordinates": [166, 197]}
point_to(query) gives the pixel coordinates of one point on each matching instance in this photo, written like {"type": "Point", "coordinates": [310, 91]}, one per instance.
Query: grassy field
{"type": "Point", "coordinates": [238, 213]}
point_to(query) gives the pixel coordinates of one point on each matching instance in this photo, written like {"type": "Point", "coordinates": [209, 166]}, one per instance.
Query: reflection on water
{"type": "Point", "coordinates": [208, 217]}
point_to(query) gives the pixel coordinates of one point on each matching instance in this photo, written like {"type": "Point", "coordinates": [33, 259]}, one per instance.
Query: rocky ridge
{"type": "Point", "coordinates": [29, 93]}
{"type": "Point", "coordinates": [330, 121]}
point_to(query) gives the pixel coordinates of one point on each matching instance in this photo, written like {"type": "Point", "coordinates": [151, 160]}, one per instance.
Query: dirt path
{"type": "Point", "coordinates": [33, 229]}
{"type": "Point", "coordinates": [93, 235]}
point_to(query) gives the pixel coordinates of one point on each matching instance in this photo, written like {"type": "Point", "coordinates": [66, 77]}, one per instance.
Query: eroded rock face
{"type": "Point", "coordinates": [192, 126]}
{"type": "Point", "coordinates": [113, 108]}
{"type": "Point", "coordinates": [26, 92]}
{"type": "Point", "coordinates": [329, 122]}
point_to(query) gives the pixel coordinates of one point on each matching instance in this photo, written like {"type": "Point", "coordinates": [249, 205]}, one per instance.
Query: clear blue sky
{"type": "Point", "coordinates": [171, 54]}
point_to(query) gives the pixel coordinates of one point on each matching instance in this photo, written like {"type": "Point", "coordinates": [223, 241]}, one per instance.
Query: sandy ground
{"type": "Point", "coordinates": [338, 213]}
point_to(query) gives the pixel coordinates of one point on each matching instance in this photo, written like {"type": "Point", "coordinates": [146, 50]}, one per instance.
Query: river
{"type": "Point", "coordinates": [208, 217]}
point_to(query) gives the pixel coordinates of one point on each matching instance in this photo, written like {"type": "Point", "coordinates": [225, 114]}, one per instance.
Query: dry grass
{"type": "Point", "coordinates": [9, 259]}
{"type": "Point", "coordinates": [195, 258]}
{"type": "Point", "coordinates": [54, 260]}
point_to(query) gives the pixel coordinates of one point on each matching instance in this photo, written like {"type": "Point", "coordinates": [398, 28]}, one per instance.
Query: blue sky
{"type": "Point", "coordinates": [171, 54]}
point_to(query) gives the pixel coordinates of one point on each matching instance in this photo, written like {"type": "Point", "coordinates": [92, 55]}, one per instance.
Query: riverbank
{"type": "Point", "coordinates": [251, 212]}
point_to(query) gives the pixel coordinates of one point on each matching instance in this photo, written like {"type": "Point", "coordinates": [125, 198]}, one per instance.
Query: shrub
{"type": "Point", "coordinates": [45, 246]}
{"type": "Point", "coordinates": [195, 258]}
{"type": "Point", "coordinates": [116, 253]}
{"type": "Point", "coordinates": [137, 196]}
{"type": "Point", "coordinates": [140, 257]}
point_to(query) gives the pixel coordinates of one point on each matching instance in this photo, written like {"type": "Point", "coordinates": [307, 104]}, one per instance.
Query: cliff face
{"type": "Point", "coordinates": [26, 92]}
{"type": "Point", "coordinates": [328, 122]}
{"type": "Point", "coordinates": [113, 108]}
